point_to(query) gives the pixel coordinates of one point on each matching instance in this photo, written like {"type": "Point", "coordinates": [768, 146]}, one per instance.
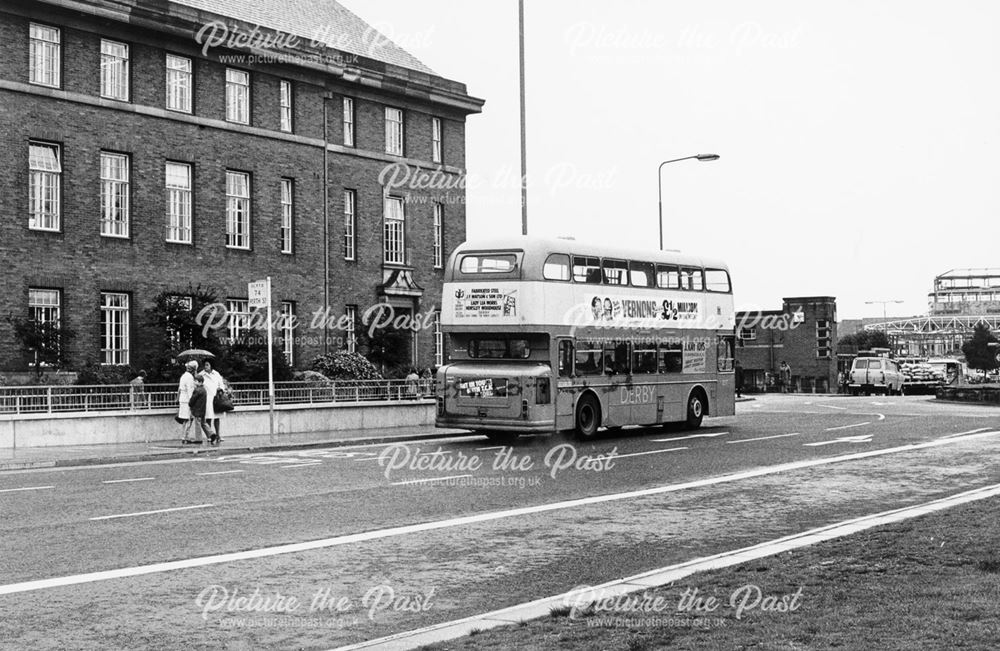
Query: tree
{"type": "Point", "coordinates": [978, 353]}
{"type": "Point", "coordinates": [172, 326]}
{"type": "Point", "coordinates": [43, 341]}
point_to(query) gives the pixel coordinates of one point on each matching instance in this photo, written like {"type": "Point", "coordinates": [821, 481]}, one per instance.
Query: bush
{"type": "Point", "coordinates": [313, 379]}
{"type": "Point", "coordinates": [345, 366]}
{"type": "Point", "coordinates": [94, 373]}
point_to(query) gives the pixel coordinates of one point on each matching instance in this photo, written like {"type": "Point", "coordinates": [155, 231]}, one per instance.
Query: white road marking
{"type": "Point", "coordinates": [669, 575]}
{"type": "Point", "coordinates": [863, 438]}
{"type": "Point", "coordinates": [380, 534]}
{"type": "Point", "coordinates": [495, 447]}
{"type": "Point", "coordinates": [124, 481]}
{"type": "Point", "coordinates": [219, 472]}
{"type": "Point", "coordinates": [831, 407]}
{"type": "Point", "coordinates": [422, 481]}
{"type": "Point", "coordinates": [763, 438]}
{"type": "Point", "coordinates": [690, 436]}
{"type": "Point", "coordinates": [305, 465]}
{"type": "Point", "coordinates": [129, 515]}
{"type": "Point", "coordinates": [26, 488]}
{"type": "Point", "coordinates": [834, 429]}
{"type": "Point", "coordinates": [639, 454]}
{"type": "Point", "coordinates": [974, 431]}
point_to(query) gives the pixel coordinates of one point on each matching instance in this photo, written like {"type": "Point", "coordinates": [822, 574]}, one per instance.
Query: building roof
{"type": "Point", "coordinates": [326, 21]}
{"type": "Point", "coordinates": [970, 273]}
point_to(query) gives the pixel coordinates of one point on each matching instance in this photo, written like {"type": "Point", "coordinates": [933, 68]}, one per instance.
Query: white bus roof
{"type": "Point", "coordinates": [544, 245]}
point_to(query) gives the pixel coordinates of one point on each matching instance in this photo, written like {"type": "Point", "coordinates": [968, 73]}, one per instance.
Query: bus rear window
{"type": "Point", "coordinates": [493, 263]}
{"type": "Point", "coordinates": [717, 280]}
{"type": "Point", "coordinates": [499, 348]}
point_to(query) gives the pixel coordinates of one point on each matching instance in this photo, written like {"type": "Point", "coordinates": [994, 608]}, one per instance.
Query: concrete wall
{"type": "Point", "coordinates": [158, 425]}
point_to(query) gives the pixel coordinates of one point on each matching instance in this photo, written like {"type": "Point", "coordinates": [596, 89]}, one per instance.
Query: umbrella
{"type": "Point", "coordinates": [194, 352]}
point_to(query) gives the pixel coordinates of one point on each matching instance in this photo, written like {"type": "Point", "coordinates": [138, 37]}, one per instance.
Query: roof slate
{"type": "Point", "coordinates": [324, 20]}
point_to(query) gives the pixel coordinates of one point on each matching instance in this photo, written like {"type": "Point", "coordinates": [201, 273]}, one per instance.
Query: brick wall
{"type": "Point", "coordinates": [82, 264]}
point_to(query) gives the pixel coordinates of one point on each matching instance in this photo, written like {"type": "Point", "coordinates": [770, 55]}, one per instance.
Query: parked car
{"type": "Point", "coordinates": [875, 375]}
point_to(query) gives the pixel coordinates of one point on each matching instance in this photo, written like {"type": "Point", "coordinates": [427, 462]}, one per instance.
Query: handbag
{"type": "Point", "coordinates": [222, 403]}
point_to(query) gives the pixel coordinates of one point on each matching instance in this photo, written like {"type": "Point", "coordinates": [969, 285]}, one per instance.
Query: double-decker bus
{"type": "Point", "coordinates": [550, 335]}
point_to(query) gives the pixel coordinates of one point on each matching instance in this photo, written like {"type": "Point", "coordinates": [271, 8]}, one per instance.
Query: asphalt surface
{"type": "Point", "coordinates": [542, 517]}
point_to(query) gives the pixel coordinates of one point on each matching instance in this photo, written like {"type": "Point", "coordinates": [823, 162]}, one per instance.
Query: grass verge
{"type": "Point", "coordinates": [932, 582]}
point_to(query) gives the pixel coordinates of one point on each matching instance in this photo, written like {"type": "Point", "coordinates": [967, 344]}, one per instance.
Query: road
{"type": "Point", "coordinates": [320, 548]}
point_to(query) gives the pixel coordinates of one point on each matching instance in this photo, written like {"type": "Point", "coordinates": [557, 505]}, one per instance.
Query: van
{"type": "Point", "coordinates": [875, 374]}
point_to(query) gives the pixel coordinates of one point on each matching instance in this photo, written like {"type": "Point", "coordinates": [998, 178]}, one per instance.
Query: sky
{"type": "Point", "coordinates": [857, 139]}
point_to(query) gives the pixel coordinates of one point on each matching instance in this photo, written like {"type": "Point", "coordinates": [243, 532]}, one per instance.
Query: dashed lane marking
{"type": "Point", "coordinates": [863, 438]}
{"type": "Point", "coordinates": [25, 488]}
{"type": "Point", "coordinates": [125, 481]}
{"type": "Point", "coordinates": [131, 515]}
{"type": "Point", "coordinates": [834, 429]}
{"type": "Point", "coordinates": [690, 436]}
{"type": "Point", "coordinates": [219, 472]}
{"type": "Point", "coordinates": [367, 536]}
{"type": "Point", "coordinates": [763, 438]}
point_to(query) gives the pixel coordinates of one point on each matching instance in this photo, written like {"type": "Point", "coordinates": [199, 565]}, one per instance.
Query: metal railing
{"type": "Point", "coordinates": [123, 397]}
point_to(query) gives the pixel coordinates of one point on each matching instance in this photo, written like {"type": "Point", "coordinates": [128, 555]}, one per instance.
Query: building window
{"type": "Point", "coordinates": [114, 328]}
{"type": "Point", "coordinates": [287, 214]}
{"type": "Point", "coordinates": [179, 78]}
{"type": "Point", "coordinates": [438, 236]}
{"type": "Point", "coordinates": [237, 96]}
{"type": "Point", "coordinates": [394, 242]}
{"type": "Point", "coordinates": [437, 154]}
{"type": "Point", "coordinates": [350, 329]}
{"type": "Point", "coordinates": [438, 341]}
{"type": "Point", "coordinates": [44, 186]}
{"type": "Point", "coordinates": [286, 106]}
{"type": "Point", "coordinates": [114, 195]}
{"type": "Point", "coordinates": [178, 185]}
{"type": "Point", "coordinates": [45, 58]}
{"type": "Point", "coordinates": [748, 334]}
{"type": "Point", "coordinates": [239, 318]}
{"type": "Point", "coordinates": [44, 311]}
{"type": "Point", "coordinates": [237, 210]}
{"type": "Point", "coordinates": [394, 131]}
{"type": "Point", "coordinates": [348, 122]}
{"type": "Point", "coordinates": [114, 70]}
{"type": "Point", "coordinates": [349, 208]}
{"type": "Point", "coordinates": [823, 338]}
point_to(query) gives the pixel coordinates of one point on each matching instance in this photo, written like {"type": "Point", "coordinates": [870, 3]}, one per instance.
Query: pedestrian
{"type": "Point", "coordinates": [199, 404]}
{"type": "Point", "coordinates": [738, 372]}
{"type": "Point", "coordinates": [412, 383]}
{"type": "Point", "coordinates": [137, 391]}
{"type": "Point", "coordinates": [214, 384]}
{"type": "Point", "coordinates": [184, 390]}
{"type": "Point", "coordinates": [785, 377]}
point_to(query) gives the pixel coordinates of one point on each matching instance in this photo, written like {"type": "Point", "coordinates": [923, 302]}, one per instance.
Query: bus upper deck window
{"type": "Point", "coordinates": [692, 279]}
{"type": "Point", "coordinates": [587, 270]}
{"type": "Point", "coordinates": [717, 280]}
{"type": "Point", "coordinates": [640, 274]}
{"type": "Point", "coordinates": [488, 263]}
{"type": "Point", "coordinates": [556, 267]}
{"type": "Point", "coordinates": [615, 272]}
{"type": "Point", "coordinates": [667, 277]}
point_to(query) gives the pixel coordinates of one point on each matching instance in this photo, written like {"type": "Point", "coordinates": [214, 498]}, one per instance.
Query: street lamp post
{"type": "Point", "coordinates": [883, 303]}
{"type": "Point", "coordinates": [659, 181]}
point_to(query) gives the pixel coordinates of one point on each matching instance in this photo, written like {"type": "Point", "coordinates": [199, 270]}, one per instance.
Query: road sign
{"type": "Point", "coordinates": [259, 296]}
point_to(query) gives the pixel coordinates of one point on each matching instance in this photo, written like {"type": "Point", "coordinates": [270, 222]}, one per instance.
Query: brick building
{"type": "Point", "coordinates": [146, 146]}
{"type": "Point", "coordinates": [803, 333]}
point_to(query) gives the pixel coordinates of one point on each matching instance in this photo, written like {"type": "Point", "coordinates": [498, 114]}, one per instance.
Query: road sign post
{"type": "Point", "coordinates": [259, 293]}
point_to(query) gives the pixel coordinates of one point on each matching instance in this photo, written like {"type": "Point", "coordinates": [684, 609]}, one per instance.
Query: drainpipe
{"type": "Point", "coordinates": [326, 219]}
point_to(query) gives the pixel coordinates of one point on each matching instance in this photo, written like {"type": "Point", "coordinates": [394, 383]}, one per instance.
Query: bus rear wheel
{"type": "Point", "coordinates": [588, 418]}
{"type": "Point", "coordinates": [695, 411]}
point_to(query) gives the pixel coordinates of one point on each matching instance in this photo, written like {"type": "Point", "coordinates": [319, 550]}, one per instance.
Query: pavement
{"type": "Point", "coordinates": [85, 455]}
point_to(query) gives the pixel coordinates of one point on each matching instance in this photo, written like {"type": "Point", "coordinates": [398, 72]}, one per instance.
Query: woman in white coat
{"type": "Point", "coordinates": [214, 382]}
{"type": "Point", "coordinates": [184, 390]}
